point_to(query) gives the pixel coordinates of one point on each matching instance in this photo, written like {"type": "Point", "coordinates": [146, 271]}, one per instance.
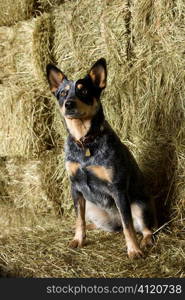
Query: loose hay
{"type": "Point", "coordinates": [41, 250]}
{"type": "Point", "coordinates": [143, 42]}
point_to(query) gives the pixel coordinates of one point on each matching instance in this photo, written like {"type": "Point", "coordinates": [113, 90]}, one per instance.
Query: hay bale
{"type": "Point", "coordinates": [25, 106]}
{"type": "Point", "coordinates": [12, 11]}
{"type": "Point", "coordinates": [25, 50]}
{"type": "Point", "coordinates": [33, 185]}
{"type": "Point", "coordinates": [22, 184]}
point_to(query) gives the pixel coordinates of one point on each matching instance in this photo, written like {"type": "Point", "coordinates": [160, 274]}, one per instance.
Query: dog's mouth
{"type": "Point", "coordinates": [73, 114]}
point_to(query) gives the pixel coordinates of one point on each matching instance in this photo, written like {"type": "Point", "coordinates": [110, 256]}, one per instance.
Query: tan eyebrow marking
{"type": "Point", "coordinates": [80, 86]}
{"type": "Point", "coordinates": [67, 87]}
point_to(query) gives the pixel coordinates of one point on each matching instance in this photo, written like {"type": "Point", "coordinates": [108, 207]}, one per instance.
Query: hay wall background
{"type": "Point", "coordinates": [143, 43]}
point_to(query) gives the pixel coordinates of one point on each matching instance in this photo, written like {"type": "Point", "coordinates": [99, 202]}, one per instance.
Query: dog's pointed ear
{"type": "Point", "coordinates": [98, 73]}
{"type": "Point", "coordinates": [54, 76]}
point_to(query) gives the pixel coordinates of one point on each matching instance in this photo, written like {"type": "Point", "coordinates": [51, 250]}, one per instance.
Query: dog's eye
{"type": "Point", "coordinates": [64, 93]}
{"type": "Point", "coordinates": [84, 92]}
{"type": "Point", "coordinates": [81, 90]}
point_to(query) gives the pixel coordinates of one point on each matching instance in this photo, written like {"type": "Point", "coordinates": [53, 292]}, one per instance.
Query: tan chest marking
{"type": "Point", "coordinates": [78, 128]}
{"type": "Point", "coordinates": [72, 167]}
{"type": "Point", "coordinates": [101, 172]}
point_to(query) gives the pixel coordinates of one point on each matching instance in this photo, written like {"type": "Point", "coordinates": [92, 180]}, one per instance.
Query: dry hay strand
{"type": "Point", "coordinates": [26, 110]}
{"type": "Point", "coordinates": [41, 250]}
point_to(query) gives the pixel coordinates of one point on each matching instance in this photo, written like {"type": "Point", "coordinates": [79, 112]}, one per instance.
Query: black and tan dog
{"type": "Point", "coordinates": [106, 182]}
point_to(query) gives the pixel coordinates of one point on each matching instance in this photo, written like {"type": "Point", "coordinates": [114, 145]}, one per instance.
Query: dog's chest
{"type": "Point", "coordinates": [93, 181]}
{"type": "Point", "coordinates": [88, 163]}
{"type": "Point", "coordinates": [92, 175]}
{"type": "Point", "coordinates": [87, 171]}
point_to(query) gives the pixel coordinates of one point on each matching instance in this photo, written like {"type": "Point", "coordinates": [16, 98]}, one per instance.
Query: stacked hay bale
{"type": "Point", "coordinates": [143, 44]}
{"type": "Point", "coordinates": [25, 118]}
{"type": "Point", "coordinates": [35, 185]}
{"type": "Point", "coordinates": [22, 183]}
{"type": "Point", "coordinates": [26, 123]}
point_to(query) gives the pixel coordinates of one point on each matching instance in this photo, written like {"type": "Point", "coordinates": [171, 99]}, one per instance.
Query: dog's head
{"type": "Point", "coordinates": [78, 99]}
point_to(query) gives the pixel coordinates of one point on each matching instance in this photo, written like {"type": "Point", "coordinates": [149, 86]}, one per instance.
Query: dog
{"type": "Point", "coordinates": [107, 185]}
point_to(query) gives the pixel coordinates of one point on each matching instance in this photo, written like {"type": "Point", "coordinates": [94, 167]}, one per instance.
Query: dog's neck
{"type": "Point", "coordinates": [80, 128]}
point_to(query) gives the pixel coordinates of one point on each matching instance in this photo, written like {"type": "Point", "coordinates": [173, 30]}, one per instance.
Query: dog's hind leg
{"type": "Point", "coordinates": [139, 216]}
{"type": "Point", "coordinates": [122, 202]}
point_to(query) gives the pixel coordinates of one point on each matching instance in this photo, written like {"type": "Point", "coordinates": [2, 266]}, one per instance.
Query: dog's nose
{"type": "Point", "coordinates": [70, 104]}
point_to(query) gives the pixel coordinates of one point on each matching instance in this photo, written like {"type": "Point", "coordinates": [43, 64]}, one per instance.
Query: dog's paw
{"type": "Point", "coordinates": [76, 243]}
{"type": "Point", "coordinates": [135, 253]}
{"type": "Point", "coordinates": [147, 241]}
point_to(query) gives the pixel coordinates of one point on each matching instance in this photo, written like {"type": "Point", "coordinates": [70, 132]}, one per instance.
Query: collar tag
{"type": "Point", "coordinates": [87, 152]}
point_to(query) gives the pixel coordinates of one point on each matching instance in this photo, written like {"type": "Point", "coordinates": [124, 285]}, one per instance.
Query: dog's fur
{"type": "Point", "coordinates": [107, 185]}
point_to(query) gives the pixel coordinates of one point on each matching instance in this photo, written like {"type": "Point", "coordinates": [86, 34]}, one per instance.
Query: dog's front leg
{"type": "Point", "coordinates": [80, 230]}
{"type": "Point", "coordinates": [123, 205]}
